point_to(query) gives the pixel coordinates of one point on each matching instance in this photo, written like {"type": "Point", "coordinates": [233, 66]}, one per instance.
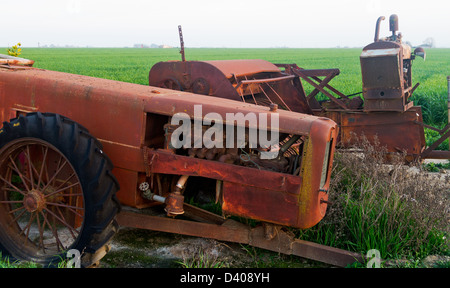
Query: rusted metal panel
{"type": "Point", "coordinates": [86, 100]}
{"type": "Point", "coordinates": [386, 76]}
{"type": "Point", "coordinates": [182, 75]}
{"type": "Point", "coordinates": [11, 60]}
{"type": "Point", "coordinates": [253, 81]}
{"type": "Point", "coordinates": [171, 102]}
{"type": "Point", "coordinates": [397, 132]}
{"type": "Point", "coordinates": [314, 203]}
{"type": "Point", "coordinates": [238, 68]}
{"type": "Point", "coordinates": [261, 204]}
{"type": "Point", "coordinates": [251, 193]}
{"type": "Point", "coordinates": [183, 165]}
{"type": "Point", "coordinates": [128, 180]}
{"type": "Point", "coordinates": [380, 52]}
{"type": "Point", "coordinates": [246, 192]}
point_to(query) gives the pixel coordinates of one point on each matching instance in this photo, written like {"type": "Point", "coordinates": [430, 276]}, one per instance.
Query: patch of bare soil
{"type": "Point", "coordinates": [137, 248]}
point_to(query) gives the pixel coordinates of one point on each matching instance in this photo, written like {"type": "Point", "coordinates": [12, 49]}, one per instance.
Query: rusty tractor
{"type": "Point", "coordinates": [385, 115]}
{"type": "Point", "coordinates": [82, 156]}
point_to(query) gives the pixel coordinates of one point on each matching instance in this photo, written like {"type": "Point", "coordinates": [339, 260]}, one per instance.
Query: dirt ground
{"type": "Point", "coordinates": [138, 248]}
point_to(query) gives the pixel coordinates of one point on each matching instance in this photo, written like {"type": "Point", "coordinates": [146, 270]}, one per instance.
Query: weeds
{"type": "Point", "coordinates": [394, 208]}
{"type": "Point", "coordinates": [5, 262]}
{"type": "Point", "coordinates": [200, 259]}
{"type": "Point", "coordinates": [15, 50]}
{"type": "Point", "coordinates": [436, 167]}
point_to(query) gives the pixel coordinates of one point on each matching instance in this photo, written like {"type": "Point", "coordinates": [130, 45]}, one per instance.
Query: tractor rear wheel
{"type": "Point", "coordinates": [57, 192]}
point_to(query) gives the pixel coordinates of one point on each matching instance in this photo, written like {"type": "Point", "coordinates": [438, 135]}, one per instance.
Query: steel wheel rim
{"type": "Point", "coordinates": [41, 199]}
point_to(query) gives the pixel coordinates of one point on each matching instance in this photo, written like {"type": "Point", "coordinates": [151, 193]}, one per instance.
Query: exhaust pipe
{"type": "Point", "coordinates": [377, 28]}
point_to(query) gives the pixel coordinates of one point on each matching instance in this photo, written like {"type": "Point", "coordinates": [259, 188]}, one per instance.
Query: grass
{"type": "Point", "coordinates": [401, 213]}
{"type": "Point", "coordinates": [5, 262]}
{"type": "Point", "coordinates": [436, 167]}
{"type": "Point", "coordinates": [132, 65]}
{"type": "Point", "coordinates": [202, 260]}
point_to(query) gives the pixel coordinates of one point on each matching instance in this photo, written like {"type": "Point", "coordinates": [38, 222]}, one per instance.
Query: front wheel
{"type": "Point", "coordinates": [56, 190]}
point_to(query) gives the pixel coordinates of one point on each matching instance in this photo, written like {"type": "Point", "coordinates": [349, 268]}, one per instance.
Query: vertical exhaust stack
{"type": "Point", "coordinates": [377, 29]}
{"type": "Point", "coordinates": [180, 32]}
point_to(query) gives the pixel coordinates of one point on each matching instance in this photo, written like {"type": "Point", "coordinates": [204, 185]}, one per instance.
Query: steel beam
{"type": "Point", "coordinates": [232, 231]}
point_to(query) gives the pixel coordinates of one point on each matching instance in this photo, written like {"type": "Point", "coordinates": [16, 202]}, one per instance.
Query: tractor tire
{"type": "Point", "coordinates": [57, 192]}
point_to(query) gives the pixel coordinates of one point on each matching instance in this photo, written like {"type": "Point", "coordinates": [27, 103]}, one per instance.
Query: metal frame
{"type": "Point", "coordinates": [266, 236]}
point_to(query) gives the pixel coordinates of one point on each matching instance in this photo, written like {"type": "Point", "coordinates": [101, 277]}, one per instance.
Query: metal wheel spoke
{"type": "Point", "coordinates": [27, 228]}
{"type": "Point", "coordinates": [61, 220]}
{"type": "Point", "coordinates": [54, 232]}
{"type": "Point", "coordinates": [61, 190]}
{"type": "Point", "coordinates": [16, 218]}
{"type": "Point", "coordinates": [54, 176]}
{"type": "Point", "coordinates": [69, 207]}
{"type": "Point", "coordinates": [70, 194]}
{"type": "Point", "coordinates": [8, 189]}
{"type": "Point", "coordinates": [12, 185]}
{"type": "Point", "coordinates": [17, 209]}
{"type": "Point", "coordinates": [41, 233]}
{"type": "Point", "coordinates": [67, 180]}
{"type": "Point", "coordinates": [18, 172]}
{"type": "Point", "coordinates": [44, 157]}
{"type": "Point", "coordinates": [71, 229]}
{"type": "Point", "coordinates": [9, 201]}
{"type": "Point", "coordinates": [30, 166]}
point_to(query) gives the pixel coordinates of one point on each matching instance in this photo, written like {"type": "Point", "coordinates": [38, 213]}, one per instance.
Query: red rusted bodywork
{"type": "Point", "coordinates": [253, 81]}
{"type": "Point", "coordinates": [128, 119]}
{"type": "Point", "coordinates": [11, 60]}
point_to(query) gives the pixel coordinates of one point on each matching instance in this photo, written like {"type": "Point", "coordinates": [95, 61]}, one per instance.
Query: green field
{"type": "Point", "coordinates": [133, 65]}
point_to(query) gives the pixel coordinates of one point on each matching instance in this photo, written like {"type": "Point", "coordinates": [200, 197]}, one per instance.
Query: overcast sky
{"type": "Point", "coordinates": [225, 23]}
